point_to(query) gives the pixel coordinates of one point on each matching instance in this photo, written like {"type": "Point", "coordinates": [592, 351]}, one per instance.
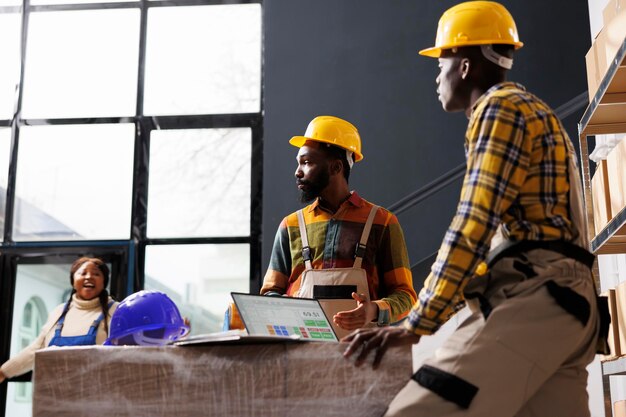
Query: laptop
{"type": "Point", "coordinates": [301, 318]}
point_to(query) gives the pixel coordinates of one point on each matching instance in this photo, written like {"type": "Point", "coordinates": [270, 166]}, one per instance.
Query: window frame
{"type": "Point", "coordinates": [130, 253]}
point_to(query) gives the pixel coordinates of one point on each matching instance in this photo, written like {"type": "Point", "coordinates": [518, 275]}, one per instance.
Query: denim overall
{"type": "Point", "coordinates": [84, 340]}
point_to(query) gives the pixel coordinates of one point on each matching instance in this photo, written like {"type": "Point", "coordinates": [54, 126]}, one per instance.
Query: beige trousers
{"type": "Point", "coordinates": [527, 358]}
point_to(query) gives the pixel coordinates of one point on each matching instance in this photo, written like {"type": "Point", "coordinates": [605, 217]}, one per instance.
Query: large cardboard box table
{"type": "Point", "coordinates": [299, 379]}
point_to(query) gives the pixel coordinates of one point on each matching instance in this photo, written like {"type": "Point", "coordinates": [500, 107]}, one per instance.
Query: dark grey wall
{"type": "Point", "coordinates": [357, 59]}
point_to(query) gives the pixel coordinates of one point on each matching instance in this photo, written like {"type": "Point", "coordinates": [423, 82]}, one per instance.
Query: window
{"type": "Point", "coordinates": [83, 191]}
{"type": "Point", "coordinates": [91, 75]}
{"type": "Point", "coordinates": [33, 318]}
{"type": "Point", "coordinates": [10, 68]}
{"type": "Point", "coordinates": [210, 64]}
{"type": "Point", "coordinates": [203, 173]}
{"type": "Point", "coordinates": [137, 129]}
{"type": "Point", "coordinates": [199, 278]}
{"type": "Point", "coordinates": [5, 154]}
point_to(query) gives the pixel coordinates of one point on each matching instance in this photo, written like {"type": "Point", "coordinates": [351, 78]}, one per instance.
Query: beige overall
{"type": "Point", "coordinates": [524, 349]}
{"type": "Point", "coordinates": [319, 283]}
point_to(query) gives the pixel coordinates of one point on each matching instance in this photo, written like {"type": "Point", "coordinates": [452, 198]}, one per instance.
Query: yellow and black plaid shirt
{"type": "Point", "coordinates": [516, 175]}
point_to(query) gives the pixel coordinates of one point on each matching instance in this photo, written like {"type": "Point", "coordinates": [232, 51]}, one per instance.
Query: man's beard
{"type": "Point", "coordinates": [314, 187]}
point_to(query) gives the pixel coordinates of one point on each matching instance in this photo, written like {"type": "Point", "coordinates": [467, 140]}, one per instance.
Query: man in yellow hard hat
{"type": "Point", "coordinates": [341, 249]}
{"type": "Point", "coordinates": [515, 251]}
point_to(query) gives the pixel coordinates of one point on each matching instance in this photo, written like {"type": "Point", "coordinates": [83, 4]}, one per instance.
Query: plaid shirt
{"type": "Point", "coordinates": [333, 239]}
{"type": "Point", "coordinates": [516, 150]}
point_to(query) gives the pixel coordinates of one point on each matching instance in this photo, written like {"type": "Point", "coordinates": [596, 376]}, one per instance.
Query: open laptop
{"type": "Point", "coordinates": [303, 318]}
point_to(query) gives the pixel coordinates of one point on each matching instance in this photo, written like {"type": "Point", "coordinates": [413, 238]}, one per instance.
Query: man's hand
{"type": "Point", "coordinates": [2, 377]}
{"type": "Point", "coordinates": [365, 312]}
{"type": "Point", "coordinates": [379, 340]}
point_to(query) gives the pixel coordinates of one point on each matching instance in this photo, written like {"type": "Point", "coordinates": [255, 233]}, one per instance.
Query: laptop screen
{"type": "Point", "coordinates": [284, 316]}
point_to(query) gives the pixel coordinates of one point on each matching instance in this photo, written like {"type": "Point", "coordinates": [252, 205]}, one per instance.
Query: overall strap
{"type": "Point", "coordinates": [359, 253]}
{"type": "Point", "coordinates": [306, 250]}
{"type": "Point", "coordinates": [94, 326]}
{"type": "Point", "coordinates": [61, 319]}
{"type": "Point", "coordinates": [93, 329]}
{"type": "Point", "coordinates": [59, 325]}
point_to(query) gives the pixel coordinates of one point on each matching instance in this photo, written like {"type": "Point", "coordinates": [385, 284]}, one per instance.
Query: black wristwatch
{"type": "Point", "coordinates": [383, 317]}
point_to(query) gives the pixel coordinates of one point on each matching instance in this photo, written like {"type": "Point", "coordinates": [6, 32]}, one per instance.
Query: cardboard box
{"type": "Point", "coordinates": [600, 44]}
{"type": "Point", "coordinates": [612, 9]}
{"type": "Point", "coordinates": [601, 197]}
{"type": "Point", "coordinates": [593, 74]}
{"type": "Point", "coordinates": [614, 338]}
{"type": "Point", "coordinates": [619, 409]}
{"type": "Point", "coordinates": [612, 36]}
{"type": "Point", "coordinates": [620, 306]}
{"type": "Point", "coordinates": [604, 48]}
{"type": "Point", "coordinates": [616, 170]}
{"type": "Point", "coordinates": [281, 379]}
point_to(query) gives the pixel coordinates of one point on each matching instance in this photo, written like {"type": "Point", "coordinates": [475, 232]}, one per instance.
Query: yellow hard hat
{"type": "Point", "coordinates": [474, 23]}
{"type": "Point", "coordinates": [334, 131]}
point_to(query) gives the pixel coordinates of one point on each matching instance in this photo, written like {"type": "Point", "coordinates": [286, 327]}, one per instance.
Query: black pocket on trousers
{"type": "Point", "coordinates": [447, 386]}
{"type": "Point", "coordinates": [571, 301]}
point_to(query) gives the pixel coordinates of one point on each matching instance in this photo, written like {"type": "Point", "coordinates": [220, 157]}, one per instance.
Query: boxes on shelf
{"type": "Point", "coordinates": [612, 9]}
{"type": "Point", "coordinates": [619, 409]}
{"type": "Point", "coordinates": [601, 197]}
{"type": "Point", "coordinates": [614, 337]}
{"type": "Point", "coordinates": [612, 35]}
{"type": "Point", "coordinates": [605, 46]}
{"type": "Point", "coordinates": [593, 72]}
{"type": "Point", "coordinates": [616, 173]}
{"type": "Point", "coordinates": [620, 307]}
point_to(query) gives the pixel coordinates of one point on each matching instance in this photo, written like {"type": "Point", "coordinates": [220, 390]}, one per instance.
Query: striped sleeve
{"type": "Point", "coordinates": [277, 276]}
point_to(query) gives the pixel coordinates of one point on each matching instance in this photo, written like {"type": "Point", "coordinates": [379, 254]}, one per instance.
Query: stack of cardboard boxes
{"type": "Point", "coordinates": [608, 185]}
{"type": "Point", "coordinates": [606, 44]}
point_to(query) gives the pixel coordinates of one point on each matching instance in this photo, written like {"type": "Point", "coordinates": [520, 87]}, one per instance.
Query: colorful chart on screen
{"type": "Point", "coordinates": [284, 316]}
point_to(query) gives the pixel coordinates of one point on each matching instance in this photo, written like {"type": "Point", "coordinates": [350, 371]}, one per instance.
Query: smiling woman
{"type": "Point", "coordinates": [79, 321]}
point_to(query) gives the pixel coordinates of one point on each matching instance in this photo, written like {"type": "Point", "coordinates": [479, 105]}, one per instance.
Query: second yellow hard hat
{"type": "Point", "coordinates": [474, 23]}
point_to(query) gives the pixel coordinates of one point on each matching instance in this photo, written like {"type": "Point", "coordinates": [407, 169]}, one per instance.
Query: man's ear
{"type": "Point", "coordinates": [336, 166]}
{"type": "Point", "coordinates": [464, 67]}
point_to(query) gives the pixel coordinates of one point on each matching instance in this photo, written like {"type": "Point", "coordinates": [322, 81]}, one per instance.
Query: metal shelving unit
{"type": "Point", "coordinates": [606, 114]}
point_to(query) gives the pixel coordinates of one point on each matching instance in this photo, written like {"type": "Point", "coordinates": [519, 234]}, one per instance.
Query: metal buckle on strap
{"type": "Point", "coordinates": [306, 253]}
{"type": "Point", "coordinates": [359, 251]}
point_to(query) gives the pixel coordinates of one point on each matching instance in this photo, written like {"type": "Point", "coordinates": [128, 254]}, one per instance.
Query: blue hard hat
{"type": "Point", "coordinates": [148, 318]}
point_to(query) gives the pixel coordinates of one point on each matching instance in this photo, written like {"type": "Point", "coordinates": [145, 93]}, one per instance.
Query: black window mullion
{"type": "Point", "coordinates": [207, 121]}
{"type": "Point", "coordinates": [9, 210]}
{"type": "Point", "coordinates": [198, 240]}
{"type": "Point", "coordinates": [122, 5]}
{"type": "Point", "coordinates": [139, 209]}
{"type": "Point", "coordinates": [256, 206]}
{"type": "Point", "coordinates": [141, 67]}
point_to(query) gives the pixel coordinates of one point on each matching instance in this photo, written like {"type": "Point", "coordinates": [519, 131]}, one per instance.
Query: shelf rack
{"type": "Point", "coordinates": [606, 114]}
